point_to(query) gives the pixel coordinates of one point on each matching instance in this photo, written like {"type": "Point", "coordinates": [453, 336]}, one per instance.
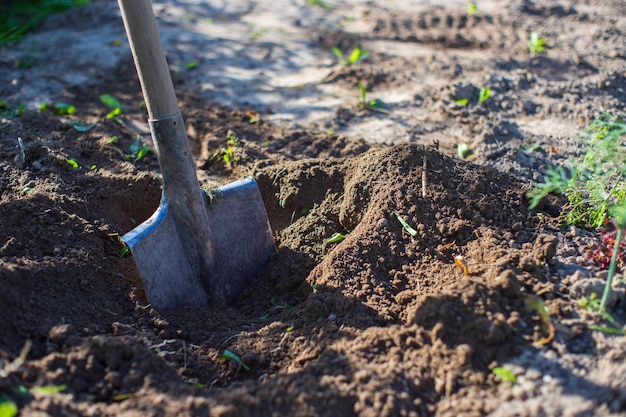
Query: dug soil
{"type": "Point", "coordinates": [404, 277]}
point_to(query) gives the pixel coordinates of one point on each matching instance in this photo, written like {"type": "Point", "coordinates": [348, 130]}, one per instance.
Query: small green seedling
{"type": "Point", "coordinates": [112, 103]}
{"type": "Point", "coordinates": [484, 94]}
{"type": "Point", "coordinates": [609, 330]}
{"type": "Point", "coordinates": [335, 238]}
{"type": "Point", "coordinates": [20, 110]}
{"type": "Point", "coordinates": [124, 250]}
{"type": "Point", "coordinates": [504, 374]}
{"type": "Point", "coordinates": [463, 150]}
{"type": "Point", "coordinates": [590, 303]}
{"type": "Point", "coordinates": [229, 153]}
{"type": "Point", "coordinates": [228, 356]}
{"type": "Point", "coordinates": [112, 140]}
{"type": "Point", "coordinates": [49, 389]}
{"type": "Point", "coordinates": [7, 408]}
{"type": "Point", "coordinates": [81, 126]}
{"type": "Point", "coordinates": [137, 151]}
{"type": "Point", "coordinates": [472, 8]}
{"type": "Point", "coordinates": [59, 108]}
{"type": "Point", "coordinates": [365, 104]}
{"type": "Point", "coordinates": [73, 163]}
{"type": "Point", "coordinates": [462, 101]}
{"type": "Point", "coordinates": [406, 225]}
{"type": "Point", "coordinates": [356, 55]}
{"type": "Point", "coordinates": [536, 45]}
{"type": "Point", "coordinates": [191, 65]}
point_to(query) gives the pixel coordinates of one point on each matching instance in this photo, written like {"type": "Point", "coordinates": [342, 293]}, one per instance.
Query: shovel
{"type": "Point", "coordinates": [189, 252]}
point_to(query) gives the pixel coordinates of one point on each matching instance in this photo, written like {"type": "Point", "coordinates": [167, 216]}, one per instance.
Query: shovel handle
{"type": "Point", "coordinates": [145, 44]}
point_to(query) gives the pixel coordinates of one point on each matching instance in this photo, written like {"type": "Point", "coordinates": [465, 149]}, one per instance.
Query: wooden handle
{"type": "Point", "coordinates": [147, 50]}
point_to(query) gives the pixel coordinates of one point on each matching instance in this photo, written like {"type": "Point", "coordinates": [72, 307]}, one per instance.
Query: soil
{"type": "Point", "coordinates": [382, 323]}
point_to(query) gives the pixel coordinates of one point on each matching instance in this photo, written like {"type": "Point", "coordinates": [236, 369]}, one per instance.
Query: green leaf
{"type": "Point", "coordinates": [335, 238]}
{"type": "Point", "coordinates": [232, 356]}
{"type": "Point", "coordinates": [49, 389]}
{"type": "Point", "coordinates": [504, 374]}
{"type": "Point", "coordinates": [64, 108]}
{"type": "Point", "coordinates": [191, 65]}
{"type": "Point", "coordinates": [484, 94]}
{"type": "Point", "coordinates": [463, 150]}
{"type": "Point", "coordinates": [462, 101]}
{"type": "Point", "coordinates": [20, 110]}
{"type": "Point", "coordinates": [110, 101]}
{"type": "Point", "coordinates": [406, 225]}
{"type": "Point", "coordinates": [3, 105]}
{"type": "Point", "coordinates": [362, 91]}
{"type": "Point", "coordinates": [7, 408]}
{"type": "Point", "coordinates": [472, 8]}
{"type": "Point", "coordinates": [609, 330]}
{"type": "Point", "coordinates": [81, 127]}
{"type": "Point", "coordinates": [73, 163]}
{"type": "Point", "coordinates": [114, 113]}
{"type": "Point", "coordinates": [356, 55]}
{"type": "Point", "coordinates": [376, 104]}
{"type": "Point", "coordinates": [338, 54]}
{"type": "Point", "coordinates": [535, 43]}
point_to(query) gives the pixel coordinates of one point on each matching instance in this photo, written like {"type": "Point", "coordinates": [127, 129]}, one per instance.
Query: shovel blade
{"type": "Point", "coordinates": [242, 242]}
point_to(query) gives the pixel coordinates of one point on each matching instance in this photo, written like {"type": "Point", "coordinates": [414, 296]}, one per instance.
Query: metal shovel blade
{"type": "Point", "coordinates": [189, 252]}
{"type": "Point", "coordinates": [242, 245]}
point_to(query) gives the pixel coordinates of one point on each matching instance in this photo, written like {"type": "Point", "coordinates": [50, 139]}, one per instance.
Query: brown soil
{"type": "Point", "coordinates": [382, 323]}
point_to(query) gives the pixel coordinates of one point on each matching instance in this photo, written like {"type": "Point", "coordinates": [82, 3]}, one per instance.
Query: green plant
{"type": "Point", "coordinates": [463, 150]}
{"type": "Point", "coordinates": [589, 303]}
{"type": "Point", "coordinates": [17, 17]}
{"type": "Point", "coordinates": [228, 356]}
{"type": "Point", "coordinates": [81, 126]}
{"type": "Point", "coordinates": [335, 238]}
{"type": "Point", "coordinates": [73, 163]}
{"type": "Point", "coordinates": [356, 55]}
{"type": "Point", "coordinates": [484, 94]}
{"type": "Point", "coordinates": [137, 151]}
{"type": "Point", "coordinates": [112, 103]}
{"type": "Point", "coordinates": [59, 108]}
{"type": "Point", "coordinates": [472, 8]}
{"type": "Point", "coordinates": [229, 153]}
{"type": "Point", "coordinates": [536, 45]}
{"type": "Point", "coordinates": [406, 225]}
{"type": "Point", "coordinates": [365, 104]}
{"type": "Point", "coordinates": [593, 183]}
{"type": "Point", "coordinates": [504, 374]}
{"type": "Point", "coordinates": [7, 407]}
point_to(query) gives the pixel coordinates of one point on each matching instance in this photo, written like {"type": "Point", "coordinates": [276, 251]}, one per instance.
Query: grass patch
{"type": "Point", "coordinates": [18, 17]}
